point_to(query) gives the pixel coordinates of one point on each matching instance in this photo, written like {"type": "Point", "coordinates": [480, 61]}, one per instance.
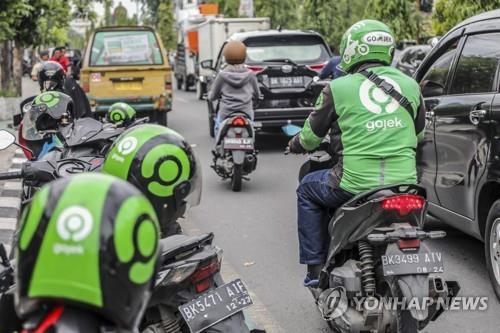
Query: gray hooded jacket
{"type": "Point", "coordinates": [236, 87]}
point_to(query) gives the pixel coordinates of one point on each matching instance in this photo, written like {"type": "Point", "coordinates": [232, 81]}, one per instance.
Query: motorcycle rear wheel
{"type": "Point", "coordinates": [404, 323]}
{"type": "Point", "coordinates": [237, 177]}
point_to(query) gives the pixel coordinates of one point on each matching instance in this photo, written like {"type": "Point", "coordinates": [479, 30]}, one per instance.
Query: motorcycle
{"type": "Point", "coordinates": [378, 261]}
{"type": "Point", "coordinates": [235, 156]}
{"type": "Point", "coordinates": [189, 293]}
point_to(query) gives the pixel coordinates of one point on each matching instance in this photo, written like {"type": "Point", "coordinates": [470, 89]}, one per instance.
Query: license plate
{"type": "Point", "coordinates": [215, 305]}
{"type": "Point", "coordinates": [286, 81]}
{"type": "Point", "coordinates": [238, 143]}
{"type": "Point", "coordinates": [412, 263]}
{"type": "Point", "coordinates": [128, 85]}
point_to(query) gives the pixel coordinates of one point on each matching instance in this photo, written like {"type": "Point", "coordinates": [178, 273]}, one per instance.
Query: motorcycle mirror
{"type": "Point", "coordinates": [291, 130]}
{"type": "Point", "coordinates": [6, 139]}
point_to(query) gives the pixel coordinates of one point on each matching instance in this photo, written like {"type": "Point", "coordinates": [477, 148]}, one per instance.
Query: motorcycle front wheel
{"type": "Point", "coordinates": [237, 177]}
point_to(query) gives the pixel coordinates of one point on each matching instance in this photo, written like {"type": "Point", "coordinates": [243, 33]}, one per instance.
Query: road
{"type": "Point", "coordinates": [257, 230]}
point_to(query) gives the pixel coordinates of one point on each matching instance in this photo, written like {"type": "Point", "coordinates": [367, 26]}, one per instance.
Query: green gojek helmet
{"type": "Point", "coordinates": [89, 241]}
{"type": "Point", "coordinates": [159, 162]}
{"type": "Point", "coordinates": [120, 113]}
{"type": "Point", "coordinates": [367, 40]}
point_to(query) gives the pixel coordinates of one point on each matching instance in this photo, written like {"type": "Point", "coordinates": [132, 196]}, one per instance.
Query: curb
{"type": "Point", "coordinates": [10, 203]}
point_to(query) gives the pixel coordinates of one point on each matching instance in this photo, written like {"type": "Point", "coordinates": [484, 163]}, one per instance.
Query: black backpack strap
{"type": "Point", "coordinates": [388, 88]}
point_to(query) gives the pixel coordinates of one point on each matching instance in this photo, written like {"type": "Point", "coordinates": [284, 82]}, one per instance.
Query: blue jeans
{"type": "Point", "coordinates": [315, 197]}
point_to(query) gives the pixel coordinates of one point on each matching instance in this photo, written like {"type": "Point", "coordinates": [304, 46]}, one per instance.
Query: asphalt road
{"type": "Point", "coordinates": [257, 230]}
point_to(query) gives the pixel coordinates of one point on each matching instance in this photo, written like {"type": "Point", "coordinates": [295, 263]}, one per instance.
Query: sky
{"type": "Point", "coordinates": [129, 4]}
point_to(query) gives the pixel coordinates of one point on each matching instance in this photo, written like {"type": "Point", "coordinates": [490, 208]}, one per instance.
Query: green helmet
{"type": "Point", "coordinates": [120, 113]}
{"type": "Point", "coordinates": [367, 40]}
{"type": "Point", "coordinates": [91, 241]}
{"type": "Point", "coordinates": [45, 114]}
{"type": "Point", "coordinates": [159, 162]}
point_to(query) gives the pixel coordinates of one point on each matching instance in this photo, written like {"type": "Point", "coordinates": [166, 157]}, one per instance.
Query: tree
{"type": "Point", "coordinates": [401, 15]}
{"type": "Point", "coordinates": [228, 7]}
{"type": "Point", "coordinates": [331, 18]}
{"type": "Point", "coordinates": [165, 25]}
{"type": "Point", "coordinates": [282, 13]}
{"type": "Point", "coordinates": [11, 13]}
{"type": "Point", "coordinates": [448, 13]}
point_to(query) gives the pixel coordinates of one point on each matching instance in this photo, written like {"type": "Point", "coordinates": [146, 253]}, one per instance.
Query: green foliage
{"type": "Point", "coordinates": [282, 13]}
{"type": "Point", "coordinates": [228, 7]}
{"type": "Point", "coordinates": [448, 13]}
{"type": "Point", "coordinates": [165, 25]}
{"type": "Point", "coordinates": [331, 18]}
{"type": "Point", "coordinates": [11, 14]}
{"type": "Point", "coordinates": [401, 15]}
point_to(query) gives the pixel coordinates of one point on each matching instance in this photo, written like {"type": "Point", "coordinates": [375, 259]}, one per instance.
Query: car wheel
{"type": "Point", "coordinates": [211, 125]}
{"type": "Point", "coordinates": [186, 84]}
{"type": "Point", "coordinates": [492, 246]}
{"type": "Point", "coordinates": [199, 90]}
{"type": "Point", "coordinates": [161, 118]}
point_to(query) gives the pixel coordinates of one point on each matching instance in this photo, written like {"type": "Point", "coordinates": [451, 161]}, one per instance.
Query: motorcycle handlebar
{"type": "Point", "coordinates": [11, 175]}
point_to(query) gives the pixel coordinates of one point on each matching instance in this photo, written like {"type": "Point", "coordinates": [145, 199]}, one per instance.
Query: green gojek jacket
{"type": "Point", "coordinates": [373, 138]}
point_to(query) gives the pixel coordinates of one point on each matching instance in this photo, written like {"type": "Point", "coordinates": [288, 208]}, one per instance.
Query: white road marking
{"type": "Point", "coordinates": [258, 311]}
{"type": "Point", "coordinates": [8, 223]}
{"type": "Point", "coordinates": [10, 202]}
{"type": "Point", "coordinates": [183, 100]}
{"type": "Point", "coordinates": [18, 186]}
{"type": "Point", "coordinates": [18, 160]}
{"type": "Point", "coordinates": [7, 248]}
{"type": "Point", "coordinates": [14, 169]}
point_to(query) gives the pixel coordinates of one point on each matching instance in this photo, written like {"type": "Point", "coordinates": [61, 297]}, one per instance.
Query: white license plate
{"type": "Point", "coordinates": [238, 143]}
{"type": "Point", "coordinates": [412, 263]}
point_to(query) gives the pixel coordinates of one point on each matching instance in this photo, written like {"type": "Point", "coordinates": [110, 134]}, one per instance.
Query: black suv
{"type": "Point", "coordinates": [459, 159]}
{"type": "Point", "coordinates": [286, 63]}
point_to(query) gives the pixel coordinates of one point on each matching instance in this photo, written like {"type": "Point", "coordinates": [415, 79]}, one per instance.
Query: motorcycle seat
{"type": "Point", "coordinates": [172, 246]}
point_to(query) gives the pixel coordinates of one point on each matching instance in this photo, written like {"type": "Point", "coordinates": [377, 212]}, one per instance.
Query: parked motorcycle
{"type": "Point", "coordinates": [235, 156]}
{"type": "Point", "coordinates": [378, 255]}
{"type": "Point", "coordinates": [189, 294]}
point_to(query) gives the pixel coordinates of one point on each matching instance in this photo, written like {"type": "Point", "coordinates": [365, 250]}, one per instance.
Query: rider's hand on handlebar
{"type": "Point", "coordinates": [294, 146]}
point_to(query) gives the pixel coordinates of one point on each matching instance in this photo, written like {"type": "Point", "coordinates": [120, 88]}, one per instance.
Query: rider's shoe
{"type": "Point", "coordinates": [312, 277]}
{"type": "Point", "coordinates": [311, 282]}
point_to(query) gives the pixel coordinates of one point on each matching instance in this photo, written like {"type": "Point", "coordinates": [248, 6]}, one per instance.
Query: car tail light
{"type": "Point", "coordinates": [403, 204]}
{"type": "Point", "coordinates": [168, 82]}
{"type": "Point", "coordinates": [85, 83]}
{"type": "Point", "coordinates": [409, 243]}
{"type": "Point", "coordinates": [202, 276]}
{"type": "Point", "coordinates": [317, 67]}
{"type": "Point", "coordinates": [239, 121]}
{"type": "Point", "coordinates": [256, 69]}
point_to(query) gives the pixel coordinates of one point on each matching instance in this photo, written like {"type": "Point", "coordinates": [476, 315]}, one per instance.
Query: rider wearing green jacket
{"type": "Point", "coordinates": [374, 116]}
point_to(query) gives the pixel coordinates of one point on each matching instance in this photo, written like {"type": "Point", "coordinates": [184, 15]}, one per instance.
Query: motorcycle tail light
{"type": "Point", "coordinates": [239, 121]}
{"type": "Point", "coordinates": [317, 67]}
{"type": "Point", "coordinates": [403, 204]}
{"type": "Point", "coordinates": [409, 243]}
{"type": "Point", "coordinates": [202, 277]}
{"type": "Point", "coordinates": [176, 274]}
{"type": "Point", "coordinates": [256, 69]}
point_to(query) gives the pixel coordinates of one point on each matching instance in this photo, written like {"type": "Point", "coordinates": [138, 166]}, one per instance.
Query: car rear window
{"type": "Point", "coordinates": [124, 48]}
{"type": "Point", "coordinates": [300, 49]}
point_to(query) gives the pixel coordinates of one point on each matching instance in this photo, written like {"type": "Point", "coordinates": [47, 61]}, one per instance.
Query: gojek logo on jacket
{"type": "Point", "coordinates": [378, 102]}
